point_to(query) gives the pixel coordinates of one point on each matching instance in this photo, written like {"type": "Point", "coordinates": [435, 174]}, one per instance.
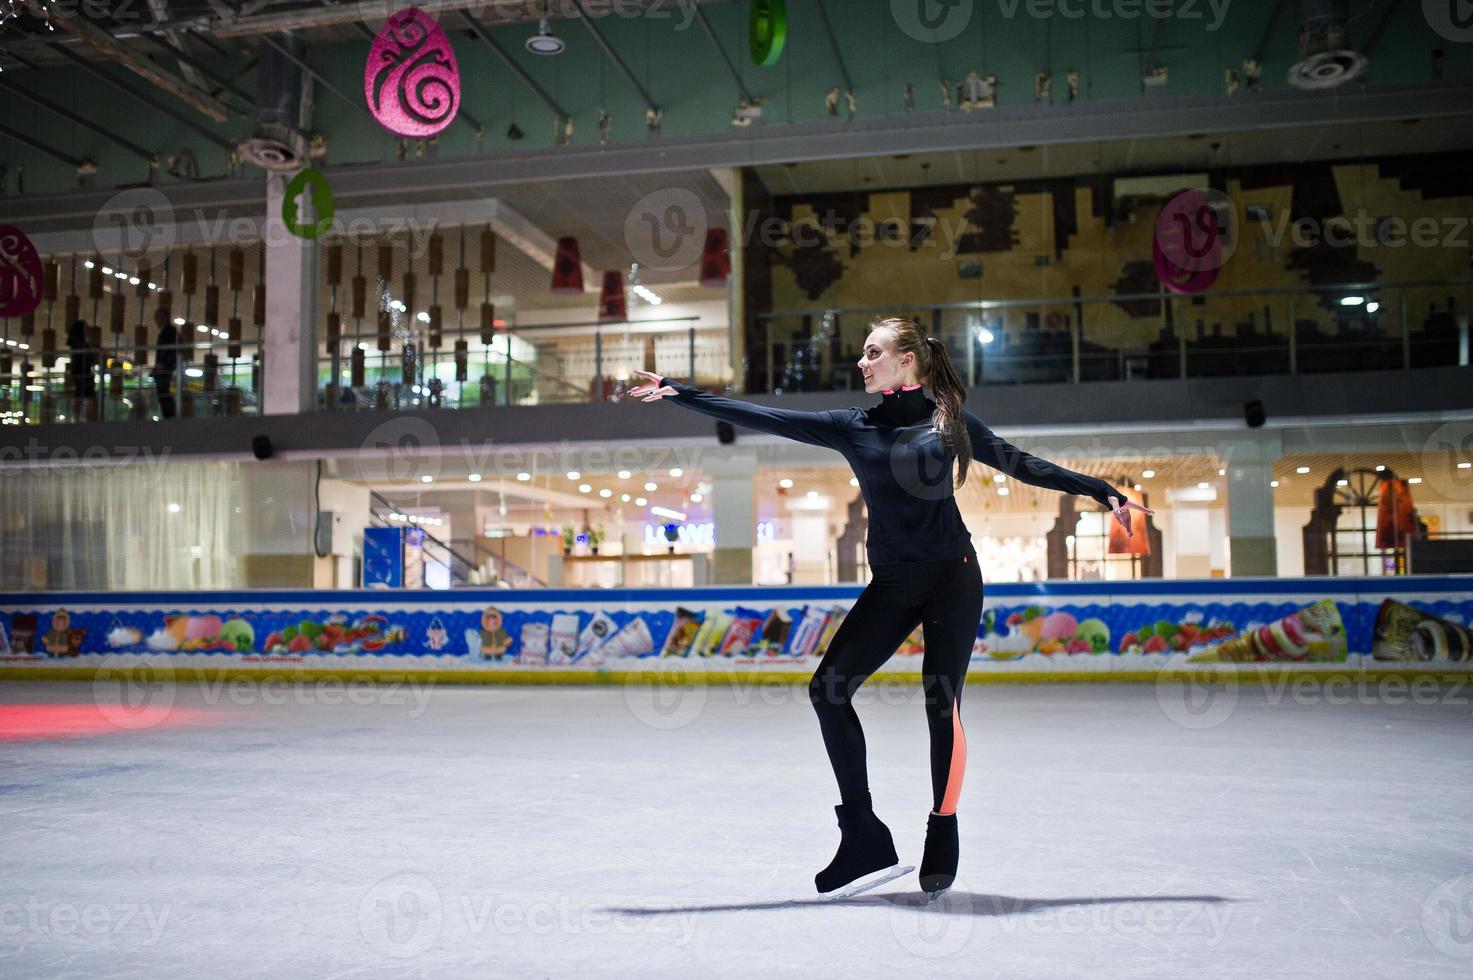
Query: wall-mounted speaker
{"type": "Point", "coordinates": [1253, 413]}
{"type": "Point", "coordinates": [725, 434]}
{"type": "Point", "coordinates": [261, 447]}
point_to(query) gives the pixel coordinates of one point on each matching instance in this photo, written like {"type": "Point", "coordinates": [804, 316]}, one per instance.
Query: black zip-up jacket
{"type": "Point", "coordinates": [905, 470]}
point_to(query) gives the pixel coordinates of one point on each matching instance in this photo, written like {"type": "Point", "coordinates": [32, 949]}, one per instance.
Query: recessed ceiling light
{"type": "Point", "coordinates": [524, 477]}
{"type": "Point", "coordinates": [1273, 483]}
{"type": "Point", "coordinates": [1415, 479]}
{"type": "Point", "coordinates": [573, 474]}
{"type": "Point", "coordinates": [474, 478]}
{"type": "Point", "coordinates": [676, 471]}
{"type": "Point", "coordinates": [1148, 473]}
{"type": "Point", "coordinates": [640, 501]}
{"type": "Point", "coordinates": [696, 498]}
{"type": "Point", "coordinates": [785, 483]}
{"type": "Point", "coordinates": [623, 474]}
{"type": "Point", "coordinates": [1002, 491]}
{"type": "Point", "coordinates": [1203, 486]}
{"type": "Point", "coordinates": [1301, 469]}
{"type": "Point", "coordinates": [427, 479]}
{"type": "Point", "coordinates": [606, 492]}
{"type": "Point", "coordinates": [585, 488]}
{"type": "Point", "coordinates": [651, 486]}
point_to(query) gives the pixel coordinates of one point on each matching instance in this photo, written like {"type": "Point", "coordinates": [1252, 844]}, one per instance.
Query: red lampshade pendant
{"type": "Point", "coordinates": [612, 304]}
{"type": "Point", "coordinates": [567, 268]}
{"type": "Point", "coordinates": [715, 259]}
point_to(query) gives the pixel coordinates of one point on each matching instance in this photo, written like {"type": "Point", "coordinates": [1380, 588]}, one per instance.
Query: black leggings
{"type": "Point", "coordinates": [945, 596]}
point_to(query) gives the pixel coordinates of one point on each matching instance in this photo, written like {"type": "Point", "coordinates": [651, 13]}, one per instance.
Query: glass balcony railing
{"type": "Point", "coordinates": [138, 383]}
{"type": "Point", "coordinates": [1357, 327]}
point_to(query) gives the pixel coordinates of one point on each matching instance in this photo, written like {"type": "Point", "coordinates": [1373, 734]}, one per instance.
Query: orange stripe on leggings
{"type": "Point", "coordinates": [958, 763]}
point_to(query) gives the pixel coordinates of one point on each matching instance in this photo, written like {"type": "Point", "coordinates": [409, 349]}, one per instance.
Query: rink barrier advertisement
{"type": "Point", "coordinates": [1034, 631]}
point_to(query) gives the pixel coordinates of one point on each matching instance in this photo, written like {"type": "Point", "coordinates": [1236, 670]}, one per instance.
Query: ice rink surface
{"type": "Point", "coordinates": [1107, 831]}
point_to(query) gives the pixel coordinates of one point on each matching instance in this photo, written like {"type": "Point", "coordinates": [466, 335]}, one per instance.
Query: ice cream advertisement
{"type": "Point", "coordinates": [769, 629]}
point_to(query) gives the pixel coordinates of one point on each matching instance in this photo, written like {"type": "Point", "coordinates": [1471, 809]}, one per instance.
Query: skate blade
{"type": "Point", "coordinates": [865, 882]}
{"type": "Point", "coordinates": [929, 897]}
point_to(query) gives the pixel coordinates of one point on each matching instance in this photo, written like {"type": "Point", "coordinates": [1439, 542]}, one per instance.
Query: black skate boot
{"type": "Point", "coordinates": [938, 863]}
{"type": "Point", "coordinates": [866, 856]}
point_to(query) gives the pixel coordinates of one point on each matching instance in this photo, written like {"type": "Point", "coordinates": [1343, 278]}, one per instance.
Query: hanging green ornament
{"type": "Point", "coordinates": [767, 31]}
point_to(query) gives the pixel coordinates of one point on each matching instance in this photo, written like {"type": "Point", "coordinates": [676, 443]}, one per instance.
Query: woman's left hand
{"type": "Point", "coordinates": [1121, 510]}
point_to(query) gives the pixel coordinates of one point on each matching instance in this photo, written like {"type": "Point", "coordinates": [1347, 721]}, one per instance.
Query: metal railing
{"type": "Point", "coordinates": [489, 568]}
{"type": "Point", "coordinates": [1079, 339]}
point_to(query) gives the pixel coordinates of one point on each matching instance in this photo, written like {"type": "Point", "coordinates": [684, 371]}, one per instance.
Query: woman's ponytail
{"type": "Point", "coordinates": [950, 394]}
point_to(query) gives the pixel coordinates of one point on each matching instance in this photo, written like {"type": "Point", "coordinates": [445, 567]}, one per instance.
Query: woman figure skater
{"type": "Point", "coordinates": [924, 571]}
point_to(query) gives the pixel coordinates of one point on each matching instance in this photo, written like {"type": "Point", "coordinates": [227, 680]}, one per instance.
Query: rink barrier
{"type": "Point", "coordinates": [1042, 632]}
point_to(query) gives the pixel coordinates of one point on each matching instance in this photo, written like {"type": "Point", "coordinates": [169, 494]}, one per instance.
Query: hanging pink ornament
{"type": "Point", "coordinates": [411, 81]}
{"type": "Point", "coordinates": [1187, 247]}
{"type": "Point", "coordinates": [21, 277]}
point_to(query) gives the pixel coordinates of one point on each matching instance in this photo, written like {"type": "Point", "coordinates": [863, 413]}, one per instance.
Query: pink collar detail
{"type": "Point", "coordinates": [891, 391]}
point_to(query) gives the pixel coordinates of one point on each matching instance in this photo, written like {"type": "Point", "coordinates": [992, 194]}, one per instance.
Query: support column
{"type": "Point", "coordinates": [810, 522]}
{"type": "Point", "coordinates": [1252, 549]}
{"type": "Point", "coordinates": [289, 341]}
{"type": "Point", "coordinates": [734, 511]}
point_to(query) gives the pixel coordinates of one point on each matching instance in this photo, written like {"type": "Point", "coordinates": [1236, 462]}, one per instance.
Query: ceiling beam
{"type": "Point", "coordinates": [613, 56]}
{"type": "Point", "coordinates": [104, 44]}
{"type": "Point", "coordinates": [378, 10]}
{"type": "Point", "coordinates": [1447, 105]}
{"type": "Point", "coordinates": [148, 156]}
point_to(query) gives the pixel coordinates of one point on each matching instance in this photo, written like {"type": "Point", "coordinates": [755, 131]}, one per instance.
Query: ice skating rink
{"type": "Point", "coordinates": [318, 830]}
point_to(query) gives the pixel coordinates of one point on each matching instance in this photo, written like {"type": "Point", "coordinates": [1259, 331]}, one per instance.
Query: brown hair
{"type": "Point", "coordinates": [934, 368]}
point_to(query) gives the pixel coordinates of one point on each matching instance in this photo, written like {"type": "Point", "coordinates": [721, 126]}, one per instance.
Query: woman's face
{"type": "Point", "coordinates": [881, 367]}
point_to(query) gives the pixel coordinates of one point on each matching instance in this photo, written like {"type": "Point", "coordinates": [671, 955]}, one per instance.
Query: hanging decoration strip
{"type": "Point", "coordinates": [319, 192]}
{"type": "Point", "coordinates": [411, 81]}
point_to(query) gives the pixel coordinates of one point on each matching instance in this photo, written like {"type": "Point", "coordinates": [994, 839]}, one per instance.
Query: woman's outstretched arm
{"type": "Point", "coordinates": [814, 428]}
{"type": "Point", "coordinates": [990, 448]}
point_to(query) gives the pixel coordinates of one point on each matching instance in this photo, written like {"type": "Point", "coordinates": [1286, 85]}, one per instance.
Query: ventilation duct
{"type": "Point", "coordinates": [276, 142]}
{"type": "Point", "coordinates": [1326, 58]}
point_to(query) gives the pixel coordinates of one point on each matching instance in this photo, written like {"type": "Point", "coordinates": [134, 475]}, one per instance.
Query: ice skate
{"type": "Point", "coordinates": [938, 862]}
{"type": "Point", "coordinates": [866, 857]}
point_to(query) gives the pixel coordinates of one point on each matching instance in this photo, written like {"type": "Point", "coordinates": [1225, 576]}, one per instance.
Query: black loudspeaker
{"type": "Point", "coordinates": [725, 434]}
{"type": "Point", "coordinates": [261, 447]}
{"type": "Point", "coordinates": [1253, 413]}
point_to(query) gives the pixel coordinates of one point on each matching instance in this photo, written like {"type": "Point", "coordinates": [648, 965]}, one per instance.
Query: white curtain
{"type": "Point", "coordinates": [145, 525]}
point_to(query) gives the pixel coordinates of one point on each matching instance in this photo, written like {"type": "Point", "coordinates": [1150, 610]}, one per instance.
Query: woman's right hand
{"type": "Point", "coordinates": [651, 390]}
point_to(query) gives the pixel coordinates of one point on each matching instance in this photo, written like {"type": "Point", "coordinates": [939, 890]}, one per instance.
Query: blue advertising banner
{"type": "Point", "coordinates": [1035, 627]}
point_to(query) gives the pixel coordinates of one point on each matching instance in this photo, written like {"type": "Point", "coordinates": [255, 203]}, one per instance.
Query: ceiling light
{"type": "Point", "coordinates": [427, 479]}
{"type": "Point", "coordinates": [624, 497]}
{"type": "Point", "coordinates": [573, 474]}
{"type": "Point", "coordinates": [1464, 466]}
{"type": "Point", "coordinates": [474, 478]}
{"type": "Point", "coordinates": [676, 471]}
{"type": "Point", "coordinates": [606, 492]}
{"type": "Point", "coordinates": [1301, 469]}
{"type": "Point", "coordinates": [854, 481]}
{"type": "Point", "coordinates": [1415, 479]}
{"type": "Point", "coordinates": [998, 478]}
{"type": "Point", "coordinates": [524, 477]}
{"type": "Point", "coordinates": [651, 486]}
{"type": "Point", "coordinates": [812, 494]}
{"type": "Point", "coordinates": [544, 42]}
{"type": "Point", "coordinates": [640, 501]}
{"type": "Point", "coordinates": [1148, 473]}
{"type": "Point", "coordinates": [585, 488]}
{"type": "Point", "coordinates": [1273, 483]}
{"type": "Point", "coordinates": [1342, 483]}
{"type": "Point", "coordinates": [696, 498]}
{"type": "Point", "coordinates": [1203, 486]}
{"type": "Point", "coordinates": [623, 474]}
{"type": "Point", "coordinates": [1002, 491]}
{"type": "Point", "coordinates": [785, 483]}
